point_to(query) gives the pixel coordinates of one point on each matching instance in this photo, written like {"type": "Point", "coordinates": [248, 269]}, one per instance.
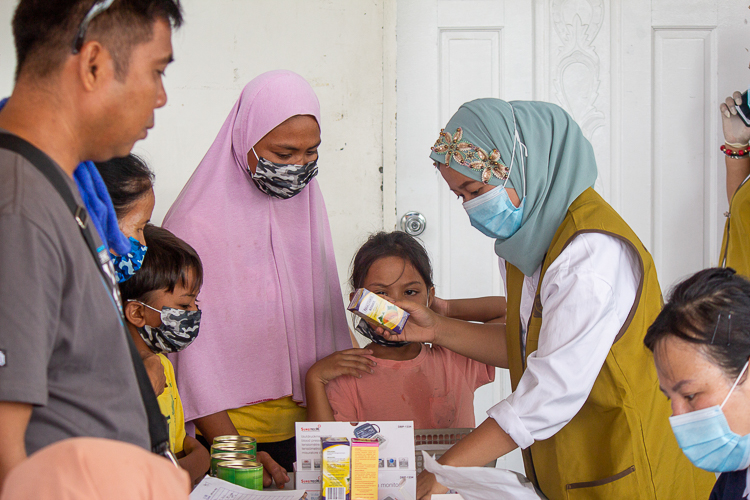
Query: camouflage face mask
{"type": "Point", "coordinates": [127, 265]}
{"type": "Point", "coordinates": [282, 181]}
{"type": "Point", "coordinates": [178, 329]}
{"type": "Point", "coordinates": [369, 332]}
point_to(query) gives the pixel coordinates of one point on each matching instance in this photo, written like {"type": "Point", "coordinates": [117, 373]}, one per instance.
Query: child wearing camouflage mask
{"type": "Point", "coordinates": [162, 316]}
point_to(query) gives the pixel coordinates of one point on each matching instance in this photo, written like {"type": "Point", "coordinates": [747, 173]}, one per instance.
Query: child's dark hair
{"type": "Point", "coordinates": [712, 310]}
{"type": "Point", "coordinates": [395, 244]}
{"type": "Point", "coordinates": [127, 179]}
{"type": "Point", "coordinates": [169, 261]}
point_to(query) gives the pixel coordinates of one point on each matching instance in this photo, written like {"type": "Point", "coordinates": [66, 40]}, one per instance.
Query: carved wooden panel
{"type": "Point", "coordinates": [578, 55]}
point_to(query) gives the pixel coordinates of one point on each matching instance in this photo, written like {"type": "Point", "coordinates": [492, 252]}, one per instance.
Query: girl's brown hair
{"type": "Point", "coordinates": [394, 244]}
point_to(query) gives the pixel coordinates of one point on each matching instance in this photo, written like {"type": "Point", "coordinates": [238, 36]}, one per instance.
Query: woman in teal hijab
{"type": "Point", "coordinates": [537, 139]}
{"type": "Point", "coordinates": [581, 291]}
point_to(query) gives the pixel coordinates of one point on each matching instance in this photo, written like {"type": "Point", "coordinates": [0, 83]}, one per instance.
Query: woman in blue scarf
{"type": "Point", "coordinates": [581, 291]}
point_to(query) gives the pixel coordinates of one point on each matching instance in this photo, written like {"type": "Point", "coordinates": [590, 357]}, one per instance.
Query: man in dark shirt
{"type": "Point", "coordinates": [88, 79]}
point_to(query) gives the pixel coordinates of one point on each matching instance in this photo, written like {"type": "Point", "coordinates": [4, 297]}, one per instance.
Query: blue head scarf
{"type": "Point", "coordinates": [478, 142]}
{"type": "Point", "coordinates": [98, 204]}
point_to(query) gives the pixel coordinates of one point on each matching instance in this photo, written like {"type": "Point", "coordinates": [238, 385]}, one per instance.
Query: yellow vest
{"type": "Point", "coordinates": [735, 246]}
{"type": "Point", "coordinates": [620, 444]}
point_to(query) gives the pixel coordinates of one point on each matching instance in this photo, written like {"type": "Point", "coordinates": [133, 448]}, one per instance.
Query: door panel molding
{"type": "Point", "coordinates": [684, 96]}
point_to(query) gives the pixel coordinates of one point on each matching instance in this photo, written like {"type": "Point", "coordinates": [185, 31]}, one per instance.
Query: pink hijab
{"type": "Point", "coordinates": [271, 297]}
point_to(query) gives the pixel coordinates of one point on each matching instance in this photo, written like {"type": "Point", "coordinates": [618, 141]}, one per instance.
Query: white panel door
{"type": "Point", "coordinates": [449, 52]}
{"type": "Point", "coordinates": [643, 78]}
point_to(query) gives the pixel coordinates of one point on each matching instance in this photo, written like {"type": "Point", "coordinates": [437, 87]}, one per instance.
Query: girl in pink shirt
{"type": "Point", "coordinates": [389, 380]}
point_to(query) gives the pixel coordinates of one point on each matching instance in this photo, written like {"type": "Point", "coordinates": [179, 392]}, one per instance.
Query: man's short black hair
{"type": "Point", "coordinates": [169, 262]}
{"type": "Point", "coordinates": [44, 30]}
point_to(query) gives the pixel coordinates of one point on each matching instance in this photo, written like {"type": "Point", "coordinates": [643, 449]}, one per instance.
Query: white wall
{"type": "Point", "coordinates": [338, 45]}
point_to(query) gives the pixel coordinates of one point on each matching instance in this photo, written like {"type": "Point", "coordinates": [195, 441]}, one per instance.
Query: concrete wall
{"type": "Point", "coordinates": [338, 45]}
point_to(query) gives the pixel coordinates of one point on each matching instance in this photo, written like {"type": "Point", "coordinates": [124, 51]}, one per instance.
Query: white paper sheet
{"type": "Point", "coordinates": [212, 488]}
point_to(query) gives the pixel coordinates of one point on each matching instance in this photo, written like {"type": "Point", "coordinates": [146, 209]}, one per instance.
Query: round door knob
{"type": "Point", "coordinates": [413, 223]}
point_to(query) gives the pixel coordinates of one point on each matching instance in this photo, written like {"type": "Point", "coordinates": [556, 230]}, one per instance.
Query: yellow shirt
{"type": "Point", "coordinates": [170, 405]}
{"type": "Point", "coordinates": [269, 421]}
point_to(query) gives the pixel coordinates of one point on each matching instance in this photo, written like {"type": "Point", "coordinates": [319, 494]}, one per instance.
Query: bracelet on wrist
{"type": "Point", "coordinates": [735, 153]}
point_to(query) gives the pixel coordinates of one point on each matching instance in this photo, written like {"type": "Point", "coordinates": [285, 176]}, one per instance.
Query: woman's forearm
{"type": "Point", "coordinates": [481, 309]}
{"type": "Point", "coordinates": [737, 171]}
{"type": "Point", "coordinates": [218, 424]}
{"type": "Point", "coordinates": [482, 342]}
{"type": "Point", "coordinates": [485, 443]}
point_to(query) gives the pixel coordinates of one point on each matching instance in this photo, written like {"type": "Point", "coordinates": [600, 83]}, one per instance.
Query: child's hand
{"type": "Point", "coordinates": [348, 362]}
{"type": "Point", "coordinates": [272, 472]}
{"type": "Point", "coordinates": [421, 326]}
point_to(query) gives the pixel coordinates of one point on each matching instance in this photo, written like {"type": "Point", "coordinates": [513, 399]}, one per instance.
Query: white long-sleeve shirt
{"type": "Point", "coordinates": [586, 295]}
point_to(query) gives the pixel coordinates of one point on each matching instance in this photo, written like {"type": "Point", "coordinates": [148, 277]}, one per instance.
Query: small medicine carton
{"type": "Point", "coordinates": [376, 309]}
{"type": "Point", "coordinates": [365, 469]}
{"type": "Point", "coordinates": [335, 469]}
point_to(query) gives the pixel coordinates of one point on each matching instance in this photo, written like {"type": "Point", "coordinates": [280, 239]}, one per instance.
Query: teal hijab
{"type": "Point", "coordinates": [478, 143]}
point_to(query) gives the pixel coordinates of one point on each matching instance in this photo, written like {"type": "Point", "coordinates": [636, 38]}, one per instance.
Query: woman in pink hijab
{"type": "Point", "coordinates": [271, 298]}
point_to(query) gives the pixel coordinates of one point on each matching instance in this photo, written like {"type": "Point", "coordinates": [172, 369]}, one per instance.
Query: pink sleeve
{"type": "Point", "coordinates": [477, 374]}
{"type": "Point", "coordinates": [484, 373]}
{"type": "Point", "coordinates": [341, 396]}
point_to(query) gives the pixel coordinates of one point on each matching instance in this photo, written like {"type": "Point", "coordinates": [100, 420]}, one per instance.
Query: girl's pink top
{"type": "Point", "coordinates": [435, 390]}
{"type": "Point", "coordinates": [271, 298]}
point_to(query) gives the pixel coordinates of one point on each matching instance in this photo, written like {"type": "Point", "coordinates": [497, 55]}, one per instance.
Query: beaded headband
{"type": "Point", "coordinates": [470, 156]}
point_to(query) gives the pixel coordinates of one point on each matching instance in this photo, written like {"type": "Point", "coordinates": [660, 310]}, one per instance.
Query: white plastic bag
{"type": "Point", "coordinates": [482, 483]}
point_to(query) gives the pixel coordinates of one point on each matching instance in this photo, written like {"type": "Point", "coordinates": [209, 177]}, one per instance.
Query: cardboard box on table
{"type": "Point", "coordinates": [396, 455]}
{"type": "Point", "coordinates": [389, 484]}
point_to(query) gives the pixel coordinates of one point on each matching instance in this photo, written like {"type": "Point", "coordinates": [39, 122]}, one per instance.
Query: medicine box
{"type": "Point", "coordinates": [309, 482]}
{"type": "Point", "coordinates": [364, 469]}
{"type": "Point", "coordinates": [398, 485]}
{"type": "Point", "coordinates": [396, 459]}
{"type": "Point", "coordinates": [376, 309]}
{"type": "Point", "coordinates": [335, 470]}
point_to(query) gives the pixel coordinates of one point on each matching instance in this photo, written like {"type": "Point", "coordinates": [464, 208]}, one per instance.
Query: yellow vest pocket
{"type": "Point", "coordinates": [622, 485]}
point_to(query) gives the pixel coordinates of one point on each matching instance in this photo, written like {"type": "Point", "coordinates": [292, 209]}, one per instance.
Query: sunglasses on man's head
{"type": "Point", "coordinates": [96, 9]}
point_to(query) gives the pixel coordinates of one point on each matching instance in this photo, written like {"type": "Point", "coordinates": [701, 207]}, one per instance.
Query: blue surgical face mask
{"type": "Point", "coordinates": [127, 265]}
{"type": "Point", "coordinates": [706, 439]}
{"type": "Point", "coordinates": [493, 213]}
